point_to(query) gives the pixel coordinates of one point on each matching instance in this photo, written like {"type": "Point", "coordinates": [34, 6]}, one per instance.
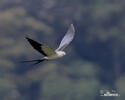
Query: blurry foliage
{"type": "Point", "coordinates": [120, 86]}
{"type": "Point", "coordinates": [8, 90]}
{"type": "Point", "coordinates": [70, 83]}
{"type": "Point", "coordinates": [94, 61]}
{"type": "Point", "coordinates": [18, 18]}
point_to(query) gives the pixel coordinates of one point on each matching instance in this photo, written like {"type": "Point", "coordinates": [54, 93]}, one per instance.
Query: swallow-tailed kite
{"type": "Point", "coordinates": [50, 53]}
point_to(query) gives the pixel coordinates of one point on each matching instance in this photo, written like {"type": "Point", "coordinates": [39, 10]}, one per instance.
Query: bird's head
{"type": "Point", "coordinates": [61, 53]}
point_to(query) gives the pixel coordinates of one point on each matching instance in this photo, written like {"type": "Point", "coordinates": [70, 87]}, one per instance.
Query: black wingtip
{"type": "Point", "coordinates": [32, 42]}
{"type": "Point", "coordinates": [27, 38]}
{"type": "Point", "coordinates": [36, 45]}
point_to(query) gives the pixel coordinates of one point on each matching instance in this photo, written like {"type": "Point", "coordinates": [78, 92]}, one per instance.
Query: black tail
{"type": "Point", "coordinates": [34, 61]}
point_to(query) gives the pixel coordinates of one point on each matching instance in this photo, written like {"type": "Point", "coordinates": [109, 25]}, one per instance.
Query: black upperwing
{"type": "Point", "coordinates": [45, 50]}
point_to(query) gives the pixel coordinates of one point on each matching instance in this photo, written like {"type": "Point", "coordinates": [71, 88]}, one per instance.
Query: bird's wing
{"type": "Point", "coordinates": [67, 38]}
{"type": "Point", "coordinates": [45, 50]}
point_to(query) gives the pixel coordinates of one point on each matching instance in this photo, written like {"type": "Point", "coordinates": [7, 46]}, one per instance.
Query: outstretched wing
{"type": "Point", "coordinates": [67, 38]}
{"type": "Point", "coordinates": [45, 50]}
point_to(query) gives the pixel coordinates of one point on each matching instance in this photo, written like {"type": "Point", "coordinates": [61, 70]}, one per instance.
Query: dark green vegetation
{"type": "Point", "coordinates": [95, 59]}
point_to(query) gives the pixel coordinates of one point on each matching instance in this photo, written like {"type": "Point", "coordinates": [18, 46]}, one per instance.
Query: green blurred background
{"type": "Point", "coordinates": [95, 59]}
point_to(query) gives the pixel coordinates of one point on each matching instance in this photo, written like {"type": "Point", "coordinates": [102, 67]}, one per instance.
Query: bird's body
{"type": "Point", "coordinates": [58, 54]}
{"type": "Point", "coordinates": [49, 53]}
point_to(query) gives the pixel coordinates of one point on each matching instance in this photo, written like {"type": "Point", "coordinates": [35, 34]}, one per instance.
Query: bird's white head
{"type": "Point", "coordinates": [61, 53]}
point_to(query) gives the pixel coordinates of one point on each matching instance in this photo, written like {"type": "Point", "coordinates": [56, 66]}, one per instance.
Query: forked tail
{"type": "Point", "coordinates": [34, 61]}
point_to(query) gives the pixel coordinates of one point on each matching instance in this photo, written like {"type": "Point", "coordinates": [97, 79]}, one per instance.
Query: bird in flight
{"type": "Point", "coordinates": [49, 53]}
